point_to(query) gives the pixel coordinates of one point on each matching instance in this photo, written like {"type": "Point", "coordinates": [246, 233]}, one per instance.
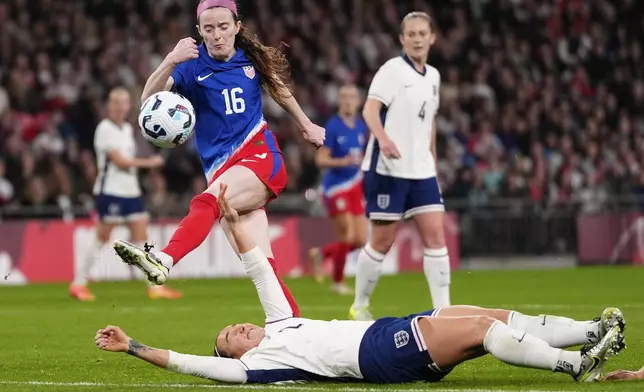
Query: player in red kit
{"type": "Point", "coordinates": [340, 158]}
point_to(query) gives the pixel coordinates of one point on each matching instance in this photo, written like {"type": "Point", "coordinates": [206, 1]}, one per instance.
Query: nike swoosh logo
{"type": "Point", "coordinates": [596, 362]}
{"type": "Point", "coordinates": [202, 78]}
{"type": "Point", "coordinates": [523, 336]}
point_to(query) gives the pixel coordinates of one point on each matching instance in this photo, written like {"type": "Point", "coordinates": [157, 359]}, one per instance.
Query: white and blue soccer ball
{"type": "Point", "coordinates": [167, 119]}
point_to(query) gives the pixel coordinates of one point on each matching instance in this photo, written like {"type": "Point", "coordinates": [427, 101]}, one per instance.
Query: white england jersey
{"type": "Point", "coordinates": [411, 100]}
{"type": "Point", "coordinates": [111, 180]}
{"type": "Point", "coordinates": [293, 349]}
{"type": "Point", "coordinates": [296, 346]}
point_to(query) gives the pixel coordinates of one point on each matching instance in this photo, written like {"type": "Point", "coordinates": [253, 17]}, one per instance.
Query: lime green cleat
{"type": "Point", "coordinates": [593, 359]}
{"type": "Point", "coordinates": [360, 314]}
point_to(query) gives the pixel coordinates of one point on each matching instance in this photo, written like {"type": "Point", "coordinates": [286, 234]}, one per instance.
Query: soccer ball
{"type": "Point", "coordinates": [167, 119]}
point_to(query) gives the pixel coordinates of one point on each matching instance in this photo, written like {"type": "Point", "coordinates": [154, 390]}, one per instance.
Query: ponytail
{"type": "Point", "coordinates": [270, 63]}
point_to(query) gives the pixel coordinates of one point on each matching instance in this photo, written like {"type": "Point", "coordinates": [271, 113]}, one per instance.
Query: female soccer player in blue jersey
{"type": "Point", "coordinates": [223, 79]}
{"type": "Point", "coordinates": [341, 157]}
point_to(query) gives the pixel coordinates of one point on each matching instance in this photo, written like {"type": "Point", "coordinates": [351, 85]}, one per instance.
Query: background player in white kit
{"type": "Point", "coordinates": [419, 347]}
{"type": "Point", "coordinates": [117, 191]}
{"type": "Point", "coordinates": [400, 164]}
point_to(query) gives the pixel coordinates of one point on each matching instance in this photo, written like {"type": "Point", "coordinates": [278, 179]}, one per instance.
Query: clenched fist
{"type": "Point", "coordinates": [185, 50]}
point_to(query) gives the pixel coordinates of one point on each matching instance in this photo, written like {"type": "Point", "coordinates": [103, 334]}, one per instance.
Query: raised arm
{"type": "Point", "coordinates": [161, 79]}
{"type": "Point", "coordinates": [270, 292]}
{"type": "Point", "coordinates": [113, 339]}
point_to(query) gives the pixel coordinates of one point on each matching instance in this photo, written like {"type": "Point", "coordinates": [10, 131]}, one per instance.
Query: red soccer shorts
{"type": "Point", "coordinates": [350, 201]}
{"type": "Point", "coordinates": [263, 156]}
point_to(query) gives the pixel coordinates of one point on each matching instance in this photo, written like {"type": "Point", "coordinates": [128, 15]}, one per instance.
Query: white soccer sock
{"type": "Point", "coordinates": [437, 272]}
{"type": "Point", "coordinates": [85, 264]}
{"type": "Point", "coordinates": [522, 349]}
{"type": "Point", "coordinates": [557, 331]}
{"type": "Point", "coordinates": [367, 274]}
{"type": "Point", "coordinates": [165, 259]}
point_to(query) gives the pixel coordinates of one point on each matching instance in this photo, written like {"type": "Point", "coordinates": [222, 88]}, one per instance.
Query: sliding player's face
{"type": "Point", "coordinates": [416, 38]}
{"type": "Point", "coordinates": [119, 105]}
{"type": "Point", "coordinates": [348, 100]}
{"type": "Point", "coordinates": [218, 29]}
{"type": "Point", "coordinates": [235, 340]}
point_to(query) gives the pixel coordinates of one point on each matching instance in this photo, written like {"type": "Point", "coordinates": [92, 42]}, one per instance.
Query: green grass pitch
{"type": "Point", "coordinates": [47, 339]}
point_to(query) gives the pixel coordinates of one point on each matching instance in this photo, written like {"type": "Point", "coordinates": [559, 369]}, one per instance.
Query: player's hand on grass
{"type": "Point", "coordinates": [227, 212]}
{"type": "Point", "coordinates": [625, 375]}
{"type": "Point", "coordinates": [314, 134]}
{"type": "Point", "coordinates": [388, 148]}
{"type": "Point", "coordinates": [112, 338]}
{"type": "Point", "coordinates": [185, 50]}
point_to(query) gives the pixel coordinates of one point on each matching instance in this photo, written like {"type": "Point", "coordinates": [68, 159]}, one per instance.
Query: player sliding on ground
{"type": "Point", "coordinates": [419, 347]}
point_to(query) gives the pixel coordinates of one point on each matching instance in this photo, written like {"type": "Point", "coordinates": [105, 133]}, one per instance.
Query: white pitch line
{"type": "Point", "coordinates": [251, 387]}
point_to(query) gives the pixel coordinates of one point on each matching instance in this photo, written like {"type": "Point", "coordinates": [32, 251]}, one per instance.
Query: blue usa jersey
{"type": "Point", "coordinates": [342, 141]}
{"type": "Point", "coordinates": [227, 98]}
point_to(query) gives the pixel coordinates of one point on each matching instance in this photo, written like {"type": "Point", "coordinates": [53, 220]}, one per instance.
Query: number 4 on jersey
{"type": "Point", "coordinates": [421, 114]}
{"type": "Point", "coordinates": [238, 104]}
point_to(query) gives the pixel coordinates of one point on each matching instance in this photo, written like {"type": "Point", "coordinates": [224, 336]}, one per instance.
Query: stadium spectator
{"type": "Point", "coordinates": [550, 92]}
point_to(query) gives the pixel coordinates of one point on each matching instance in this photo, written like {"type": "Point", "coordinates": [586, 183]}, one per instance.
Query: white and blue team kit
{"type": "Point", "coordinates": [401, 188]}
{"type": "Point", "coordinates": [388, 350]}
{"type": "Point", "coordinates": [343, 140]}
{"type": "Point", "coordinates": [227, 98]}
{"type": "Point", "coordinates": [116, 191]}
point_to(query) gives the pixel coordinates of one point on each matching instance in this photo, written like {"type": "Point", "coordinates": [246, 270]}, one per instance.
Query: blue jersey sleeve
{"type": "Point", "coordinates": [182, 77]}
{"type": "Point", "coordinates": [330, 140]}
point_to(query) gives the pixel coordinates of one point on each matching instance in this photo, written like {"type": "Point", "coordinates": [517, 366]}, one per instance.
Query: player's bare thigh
{"type": "Point", "coordinates": [467, 311]}
{"type": "Point", "coordinates": [104, 231]}
{"type": "Point", "coordinates": [138, 229]}
{"type": "Point", "coordinates": [383, 234]}
{"type": "Point", "coordinates": [453, 340]}
{"type": "Point", "coordinates": [246, 192]}
{"type": "Point", "coordinates": [255, 224]}
{"type": "Point", "coordinates": [343, 227]}
{"type": "Point", "coordinates": [359, 223]}
{"type": "Point", "coordinates": [431, 229]}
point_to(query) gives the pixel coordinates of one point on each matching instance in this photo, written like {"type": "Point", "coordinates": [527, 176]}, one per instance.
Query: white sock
{"type": "Point", "coordinates": [557, 331]}
{"type": "Point", "coordinates": [367, 274]}
{"type": "Point", "coordinates": [522, 349]}
{"type": "Point", "coordinates": [437, 272]}
{"type": "Point", "coordinates": [92, 255]}
{"type": "Point", "coordinates": [166, 260]}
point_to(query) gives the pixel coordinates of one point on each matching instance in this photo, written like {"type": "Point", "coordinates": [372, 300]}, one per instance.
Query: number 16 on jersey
{"type": "Point", "coordinates": [234, 102]}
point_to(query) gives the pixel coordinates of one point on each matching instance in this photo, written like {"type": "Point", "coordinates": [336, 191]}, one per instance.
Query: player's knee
{"type": "Point", "coordinates": [434, 239]}
{"type": "Point", "coordinates": [499, 314]}
{"type": "Point", "coordinates": [480, 325]}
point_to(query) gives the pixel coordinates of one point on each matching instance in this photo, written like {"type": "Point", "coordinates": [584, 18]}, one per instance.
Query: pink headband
{"type": "Point", "coordinates": [229, 4]}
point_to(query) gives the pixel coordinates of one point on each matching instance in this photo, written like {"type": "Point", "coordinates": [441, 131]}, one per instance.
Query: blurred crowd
{"type": "Point", "coordinates": [541, 100]}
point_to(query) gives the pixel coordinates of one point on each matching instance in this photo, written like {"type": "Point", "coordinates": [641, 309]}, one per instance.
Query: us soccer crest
{"type": "Point", "coordinates": [383, 201]}
{"type": "Point", "coordinates": [401, 338]}
{"type": "Point", "coordinates": [249, 70]}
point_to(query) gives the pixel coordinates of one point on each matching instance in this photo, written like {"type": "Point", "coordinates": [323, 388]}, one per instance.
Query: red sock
{"type": "Point", "coordinates": [285, 290]}
{"type": "Point", "coordinates": [339, 260]}
{"type": "Point", "coordinates": [194, 228]}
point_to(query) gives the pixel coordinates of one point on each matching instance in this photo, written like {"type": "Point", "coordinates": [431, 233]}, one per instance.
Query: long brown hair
{"type": "Point", "coordinates": [270, 63]}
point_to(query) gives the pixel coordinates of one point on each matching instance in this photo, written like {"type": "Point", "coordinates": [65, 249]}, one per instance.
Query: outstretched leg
{"type": "Point", "coordinates": [255, 224]}
{"type": "Point", "coordinates": [453, 340]}
{"type": "Point", "coordinates": [560, 332]}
